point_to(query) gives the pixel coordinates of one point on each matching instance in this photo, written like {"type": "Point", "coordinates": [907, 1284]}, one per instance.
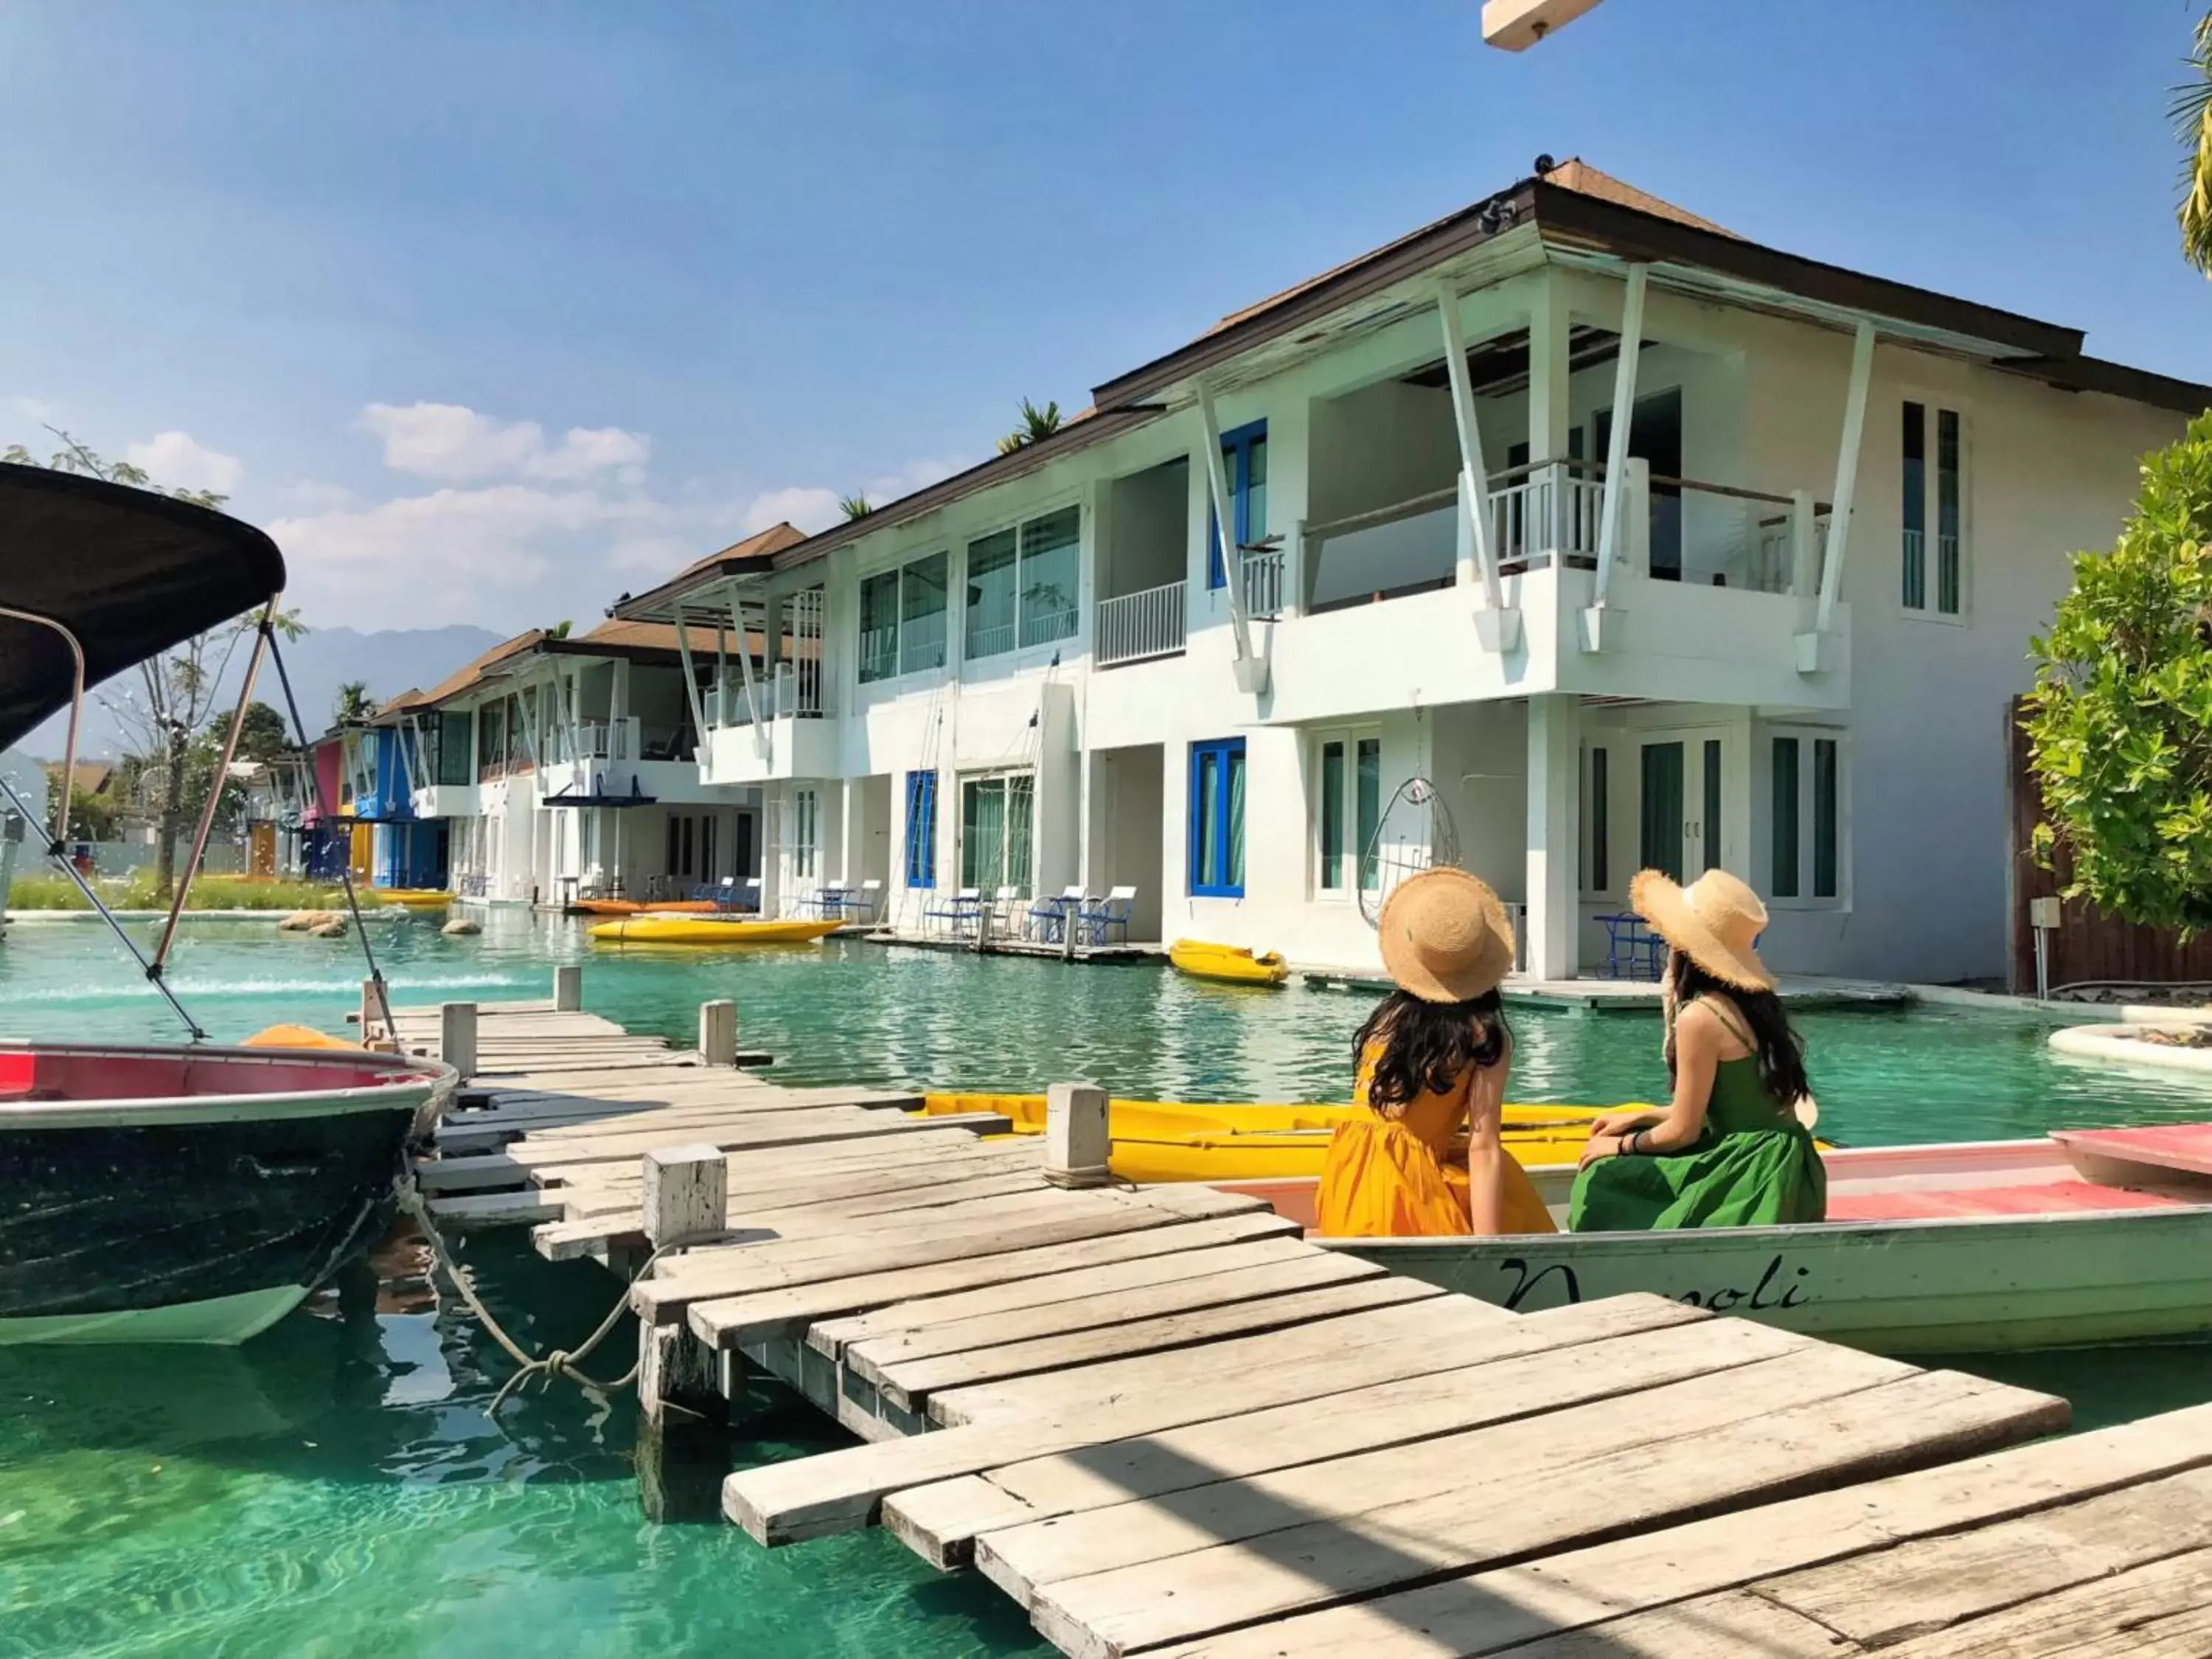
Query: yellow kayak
{"type": "Point", "coordinates": [660, 929]}
{"type": "Point", "coordinates": [1230, 963]}
{"type": "Point", "coordinates": [417, 898]}
{"type": "Point", "coordinates": [1175, 1140]}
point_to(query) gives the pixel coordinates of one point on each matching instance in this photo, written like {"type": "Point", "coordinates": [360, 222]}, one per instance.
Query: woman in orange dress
{"type": "Point", "coordinates": [1432, 1061]}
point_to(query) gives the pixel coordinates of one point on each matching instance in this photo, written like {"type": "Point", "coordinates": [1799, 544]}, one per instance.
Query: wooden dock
{"type": "Point", "coordinates": [1165, 1424]}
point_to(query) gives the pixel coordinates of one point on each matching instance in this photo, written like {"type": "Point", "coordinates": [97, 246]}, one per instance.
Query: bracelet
{"type": "Point", "coordinates": [1633, 1144]}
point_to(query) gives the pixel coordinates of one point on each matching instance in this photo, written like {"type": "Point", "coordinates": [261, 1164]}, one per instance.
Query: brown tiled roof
{"type": "Point", "coordinates": [93, 777]}
{"type": "Point", "coordinates": [1575, 175]}
{"type": "Point", "coordinates": [774, 539]}
{"type": "Point", "coordinates": [454, 684]}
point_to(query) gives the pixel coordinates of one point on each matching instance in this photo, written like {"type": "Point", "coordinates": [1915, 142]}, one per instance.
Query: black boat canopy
{"type": "Point", "coordinates": [129, 572]}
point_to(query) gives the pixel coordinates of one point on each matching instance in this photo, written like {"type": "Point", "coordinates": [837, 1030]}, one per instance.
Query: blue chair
{"type": "Point", "coordinates": [1631, 949]}
{"type": "Point", "coordinates": [1048, 917]}
{"type": "Point", "coordinates": [960, 916]}
{"type": "Point", "coordinates": [1099, 921]}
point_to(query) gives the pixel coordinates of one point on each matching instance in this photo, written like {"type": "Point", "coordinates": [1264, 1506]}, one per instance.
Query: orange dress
{"type": "Point", "coordinates": [1405, 1176]}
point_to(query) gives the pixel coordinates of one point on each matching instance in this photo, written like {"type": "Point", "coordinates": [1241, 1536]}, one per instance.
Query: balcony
{"type": "Point", "coordinates": [1711, 599]}
{"type": "Point", "coordinates": [1138, 627]}
{"type": "Point", "coordinates": [794, 737]}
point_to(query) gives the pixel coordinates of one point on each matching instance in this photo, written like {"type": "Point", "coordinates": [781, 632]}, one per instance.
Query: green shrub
{"type": "Point", "coordinates": [2119, 726]}
{"type": "Point", "coordinates": [49, 890]}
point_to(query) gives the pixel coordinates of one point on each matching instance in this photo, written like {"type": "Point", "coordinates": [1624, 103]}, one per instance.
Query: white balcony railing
{"type": "Point", "coordinates": [1263, 581]}
{"type": "Point", "coordinates": [1553, 509]}
{"type": "Point", "coordinates": [1133, 627]}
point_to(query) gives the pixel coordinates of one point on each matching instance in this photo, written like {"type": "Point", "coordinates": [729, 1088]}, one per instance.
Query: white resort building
{"type": "Point", "coordinates": [565, 767]}
{"type": "Point", "coordinates": [1638, 543]}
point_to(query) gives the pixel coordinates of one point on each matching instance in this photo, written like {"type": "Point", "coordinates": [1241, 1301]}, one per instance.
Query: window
{"type": "Point", "coordinates": [991, 595]}
{"type": "Point", "coordinates": [879, 640]}
{"type": "Point", "coordinates": [1597, 822]}
{"type": "Point", "coordinates": [902, 619]}
{"type": "Point", "coordinates": [706, 870]}
{"type": "Point", "coordinates": [1348, 810]}
{"type": "Point", "coordinates": [1023, 583]}
{"type": "Point", "coordinates": [921, 614]}
{"type": "Point", "coordinates": [1808, 819]}
{"type": "Point", "coordinates": [805, 831]}
{"type": "Point", "coordinates": [1049, 574]}
{"type": "Point", "coordinates": [1245, 467]}
{"type": "Point", "coordinates": [921, 830]}
{"type": "Point", "coordinates": [1946, 555]}
{"type": "Point", "coordinates": [1216, 818]}
{"type": "Point", "coordinates": [995, 832]}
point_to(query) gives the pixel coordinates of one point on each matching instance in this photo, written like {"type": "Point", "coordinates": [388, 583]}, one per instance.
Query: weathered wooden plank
{"type": "Point", "coordinates": [615, 1187]}
{"type": "Point", "coordinates": [1492, 1612]}
{"type": "Point", "coordinates": [777, 1314]}
{"type": "Point", "coordinates": [1060, 1392]}
{"type": "Point", "coordinates": [1919, 1419]}
{"type": "Point", "coordinates": [1928, 1584]}
{"type": "Point", "coordinates": [591, 1227]}
{"type": "Point", "coordinates": [912, 1322]}
{"type": "Point", "coordinates": [907, 1383]}
{"type": "Point", "coordinates": [714, 1274]}
{"type": "Point", "coordinates": [940, 1523]}
{"type": "Point", "coordinates": [839, 1491]}
{"type": "Point", "coordinates": [1286, 1266]}
{"type": "Point", "coordinates": [1501, 1461]}
{"type": "Point", "coordinates": [2160, 1611]}
{"type": "Point", "coordinates": [500, 1209]}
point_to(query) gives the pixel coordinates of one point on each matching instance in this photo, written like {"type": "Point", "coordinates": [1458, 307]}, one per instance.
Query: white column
{"type": "Point", "coordinates": [1225, 519]}
{"type": "Point", "coordinates": [1473, 472]}
{"type": "Point", "coordinates": [1554, 899]}
{"type": "Point", "coordinates": [1549, 324]}
{"type": "Point", "coordinates": [773, 806]}
{"type": "Point", "coordinates": [1624, 417]}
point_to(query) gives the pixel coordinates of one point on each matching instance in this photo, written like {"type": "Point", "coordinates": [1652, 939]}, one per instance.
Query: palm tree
{"type": "Point", "coordinates": [1035, 423]}
{"type": "Point", "coordinates": [2192, 116]}
{"type": "Point", "coordinates": [354, 702]}
{"type": "Point", "coordinates": [559, 631]}
{"type": "Point", "coordinates": [855, 506]}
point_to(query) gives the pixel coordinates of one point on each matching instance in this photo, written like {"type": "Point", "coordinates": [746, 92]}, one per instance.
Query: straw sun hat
{"type": "Point", "coordinates": [1712, 921]}
{"type": "Point", "coordinates": [1445, 938]}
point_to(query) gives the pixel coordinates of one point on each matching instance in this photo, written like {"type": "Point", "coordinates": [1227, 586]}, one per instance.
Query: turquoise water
{"type": "Point", "coordinates": [337, 1487]}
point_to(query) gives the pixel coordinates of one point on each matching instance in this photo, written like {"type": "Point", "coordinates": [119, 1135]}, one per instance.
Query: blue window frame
{"type": "Point", "coordinates": [921, 830]}
{"type": "Point", "coordinates": [1244, 462]}
{"type": "Point", "coordinates": [1216, 818]}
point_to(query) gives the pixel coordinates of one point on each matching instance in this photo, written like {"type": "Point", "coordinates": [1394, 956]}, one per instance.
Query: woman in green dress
{"type": "Point", "coordinates": [1731, 1150]}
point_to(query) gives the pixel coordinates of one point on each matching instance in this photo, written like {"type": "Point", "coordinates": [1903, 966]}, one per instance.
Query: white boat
{"type": "Point", "coordinates": [2083, 1238]}
{"type": "Point", "coordinates": [190, 1193]}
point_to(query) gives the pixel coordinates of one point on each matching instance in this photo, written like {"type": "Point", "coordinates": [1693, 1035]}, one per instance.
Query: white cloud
{"type": "Point", "coordinates": [310, 496]}
{"type": "Point", "coordinates": [177, 460]}
{"type": "Point", "coordinates": [809, 508]}
{"type": "Point", "coordinates": [915, 475]}
{"type": "Point", "coordinates": [458, 554]}
{"type": "Point", "coordinates": [32, 408]}
{"type": "Point", "coordinates": [456, 444]}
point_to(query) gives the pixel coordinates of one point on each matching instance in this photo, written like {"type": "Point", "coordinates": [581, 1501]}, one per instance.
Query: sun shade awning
{"type": "Point", "coordinates": [130, 573]}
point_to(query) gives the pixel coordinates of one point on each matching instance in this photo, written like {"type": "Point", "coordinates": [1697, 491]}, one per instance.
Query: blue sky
{"type": "Point", "coordinates": [493, 311]}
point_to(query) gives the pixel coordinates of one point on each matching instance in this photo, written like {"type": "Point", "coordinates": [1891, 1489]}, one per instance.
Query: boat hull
{"type": "Point", "coordinates": [652, 929]}
{"type": "Point", "coordinates": [1177, 1141]}
{"type": "Point", "coordinates": [205, 1215]}
{"type": "Point", "coordinates": [414, 898]}
{"type": "Point", "coordinates": [1921, 1287]}
{"type": "Point", "coordinates": [1228, 964]}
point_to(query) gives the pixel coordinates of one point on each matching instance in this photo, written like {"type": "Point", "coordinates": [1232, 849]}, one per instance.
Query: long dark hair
{"type": "Point", "coordinates": [1428, 1047]}
{"type": "Point", "coordinates": [1781, 1056]}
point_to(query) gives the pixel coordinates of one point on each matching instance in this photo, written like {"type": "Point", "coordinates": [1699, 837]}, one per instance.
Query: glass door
{"type": "Point", "coordinates": [1680, 823]}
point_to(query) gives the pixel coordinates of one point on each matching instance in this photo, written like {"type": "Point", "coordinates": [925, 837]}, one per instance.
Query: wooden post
{"type": "Point", "coordinates": [718, 1032]}
{"type": "Point", "coordinates": [456, 1037]}
{"type": "Point", "coordinates": [687, 1192]}
{"type": "Point", "coordinates": [1076, 1142]}
{"type": "Point", "coordinates": [370, 1013]}
{"type": "Point", "coordinates": [568, 988]}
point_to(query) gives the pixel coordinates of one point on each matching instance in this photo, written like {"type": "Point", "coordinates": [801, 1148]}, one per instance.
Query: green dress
{"type": "Point", "coordinates": [1754, 1165]}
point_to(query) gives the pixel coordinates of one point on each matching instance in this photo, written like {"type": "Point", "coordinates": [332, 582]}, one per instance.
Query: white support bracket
{"type": "Point", "coordinates": [690, 679]}
{"type": "Point", "coordinates": [745, 674]}
{"type": "Point", "coordinates": [1816, 650]}
{"type": "Point", "coordinates": [1624, 417]}
{"type": "Point", "coordinates": [1495, 628]}
{"type": "Point", "coordinates": [1250, 669]}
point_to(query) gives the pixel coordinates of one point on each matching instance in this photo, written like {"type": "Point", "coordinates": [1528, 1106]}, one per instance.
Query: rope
{"type": "Point", "coordinates": [557, 1362]}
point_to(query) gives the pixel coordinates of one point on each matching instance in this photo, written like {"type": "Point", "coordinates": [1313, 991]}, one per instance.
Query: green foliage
{"type": "Point", "coordinates": [354, 703]}
{"type": "Point", "coordinates": [855, 506]}
{"type": "Point", "coordinates": [1035, 423]}
{"type": "Point", "coordinates": [2192, 120]}
{"type": "Point", "coordinates": [2119, 726]}
{"type": "Point", "coordinates": [262, 737]}
{"type": "Point", "coordinates": [91, 818]}
{"type": "Point", "coordinates": [47, 889]}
